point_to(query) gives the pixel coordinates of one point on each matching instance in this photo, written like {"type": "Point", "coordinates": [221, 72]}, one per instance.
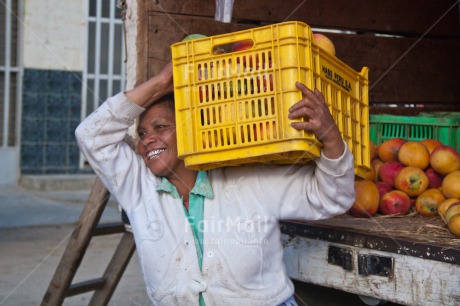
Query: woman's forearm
{"type": "Point", "coordinates": [153, 89]}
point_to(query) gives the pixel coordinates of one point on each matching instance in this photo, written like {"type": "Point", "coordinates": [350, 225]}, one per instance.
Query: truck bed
{"type": "Point", "coordinates": [412, 235]}
{"type": "Point", "coordinates": [410, 260]}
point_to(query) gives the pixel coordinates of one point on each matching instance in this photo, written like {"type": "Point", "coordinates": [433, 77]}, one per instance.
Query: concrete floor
{"type": "Point", "coordinates": [29, 257]}
{"type": "Point", "coordinates": [34, 230]}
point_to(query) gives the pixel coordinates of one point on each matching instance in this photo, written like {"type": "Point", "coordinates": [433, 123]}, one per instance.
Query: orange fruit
{"type": "Point", "coordinates": [389, 149]}
{"type": "Point", "coordinates": [324, 42]}
{"type": "Point", "coordinates": [370, 175]}
{"type": "Point", "coordinates": [445, 159]}
{"type": "Point", "coordinates": [414, 154]}
{"type": "Point", "coordinates": [375, 164]}
{"type": "Point", "coordinates": [454, 225]}
{"type": "Point", "coordinates": [444, 206]}
{"type": "Point", "coordinates": [395, 202]}
{"type": "Point", "coordinates": [411, 180]}
{"type": "Point", "coordinates": [427, 202]}
{"type": "Point", "coordinates": [451, 211]}
{"type": "Point", "coordinates": [451, 185]}
{"type": "Point", "coordinates": [367, 199]}
{"type": "Point", "coordinates": [431, 144]}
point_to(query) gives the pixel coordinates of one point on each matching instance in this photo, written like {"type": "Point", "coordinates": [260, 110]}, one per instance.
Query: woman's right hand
{"type": "Point", "coordinates": [153, 89]}
{"type": "Point", "coordinates": [166, 74]}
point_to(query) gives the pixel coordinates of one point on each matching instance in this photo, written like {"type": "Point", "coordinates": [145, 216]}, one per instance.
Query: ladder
{"type": "Point", "coordinates": [86, 227]}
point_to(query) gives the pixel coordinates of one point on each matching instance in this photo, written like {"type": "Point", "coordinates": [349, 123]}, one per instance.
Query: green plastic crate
{"type": "Point", "coordinates": [442, 126]}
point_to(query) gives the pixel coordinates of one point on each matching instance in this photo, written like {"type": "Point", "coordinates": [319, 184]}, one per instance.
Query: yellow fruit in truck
{"type": "Point", "coordinates": [454, 225]}
{"type": "Point", "coordinates": [451, 185]}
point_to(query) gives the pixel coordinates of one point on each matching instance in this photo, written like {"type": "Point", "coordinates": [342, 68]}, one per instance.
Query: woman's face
{"type": "Point", "coordinates": [157, 145]}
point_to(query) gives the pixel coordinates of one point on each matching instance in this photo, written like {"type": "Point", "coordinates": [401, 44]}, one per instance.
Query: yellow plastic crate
{"type": "Point", "coordinates": [232, 107]}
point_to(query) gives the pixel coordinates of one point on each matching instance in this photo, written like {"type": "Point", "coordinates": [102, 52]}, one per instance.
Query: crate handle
{"type": "Point", "coordinates": [232, 47]}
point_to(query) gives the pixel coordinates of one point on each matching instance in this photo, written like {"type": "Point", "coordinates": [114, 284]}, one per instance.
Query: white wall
{"type": "Point", "coordinates": [54, 34]}
{"type": "Point", "coordinates": [9, 163]}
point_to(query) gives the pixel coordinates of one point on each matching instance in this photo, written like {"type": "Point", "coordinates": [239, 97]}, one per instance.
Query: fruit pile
{"type": "Point", "coordinates": [422, 176]}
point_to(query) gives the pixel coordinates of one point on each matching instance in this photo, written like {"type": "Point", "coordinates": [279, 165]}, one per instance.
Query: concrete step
{"type": "Point", "coordinates": [57, 182]}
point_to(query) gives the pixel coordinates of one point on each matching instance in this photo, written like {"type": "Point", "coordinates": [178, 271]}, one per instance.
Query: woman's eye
{"type": "Point", "coordinates": [141, 134]}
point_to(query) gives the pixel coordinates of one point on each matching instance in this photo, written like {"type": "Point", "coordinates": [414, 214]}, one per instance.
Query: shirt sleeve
{"type": "Point", "coordinates": [318, 190]}
{"type": "Point", "coordinates": [100, 138]}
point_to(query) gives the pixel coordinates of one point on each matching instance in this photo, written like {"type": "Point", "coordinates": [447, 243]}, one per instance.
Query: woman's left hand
{"type": "Point", "coordinates": [317, 120]}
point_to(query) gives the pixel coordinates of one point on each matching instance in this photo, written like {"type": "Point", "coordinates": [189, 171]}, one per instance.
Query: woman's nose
{"type": "Point", "coordinates": [149, 138]}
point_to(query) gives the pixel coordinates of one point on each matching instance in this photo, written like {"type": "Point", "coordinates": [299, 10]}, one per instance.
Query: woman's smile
{"type": "Point", "coordinates": [154, 153]}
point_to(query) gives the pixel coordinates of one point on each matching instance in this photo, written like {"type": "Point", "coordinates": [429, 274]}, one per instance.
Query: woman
{"type": "Point", "coordinates": [211, 237]}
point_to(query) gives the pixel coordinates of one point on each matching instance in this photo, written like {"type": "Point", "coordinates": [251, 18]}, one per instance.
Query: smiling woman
{"type": "Point", "coordinates": [211, 237]}
{"type": "Point", "coordinates": [157, 139]}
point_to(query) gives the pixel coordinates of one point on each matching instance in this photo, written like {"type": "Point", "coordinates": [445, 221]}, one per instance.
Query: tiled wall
{"type": "Point", "coordinates": [51, 111]}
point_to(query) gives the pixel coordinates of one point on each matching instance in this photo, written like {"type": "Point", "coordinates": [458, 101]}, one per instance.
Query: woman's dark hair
{"type": "Point", "coordinates": [166, 99]}
{"type": "Point", "coordinates": [169, 99]}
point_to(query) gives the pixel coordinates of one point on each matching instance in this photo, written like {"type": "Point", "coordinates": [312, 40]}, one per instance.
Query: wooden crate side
{"type": "Point", "coordinates": [142, 41]}
{"type": "Point", "coordinates": [402, 70]}
{"type": "Point", "coordinates": [391, 16]}
{"type": "Point", "coordinates": [405, 70]}
{"type": "Point", "coordinates": [164, 30]}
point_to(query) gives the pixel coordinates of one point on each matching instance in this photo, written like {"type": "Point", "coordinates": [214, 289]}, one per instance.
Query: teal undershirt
{"type": "Point", "coordinates": [195, 213]}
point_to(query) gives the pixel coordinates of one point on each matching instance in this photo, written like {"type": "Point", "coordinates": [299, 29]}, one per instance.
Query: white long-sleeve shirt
{"type": "Point", "coordinates": [243, 256]}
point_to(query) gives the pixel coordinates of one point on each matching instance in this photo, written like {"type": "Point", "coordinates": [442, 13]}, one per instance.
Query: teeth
{"type": "Point", "coordinates": [155, 153]}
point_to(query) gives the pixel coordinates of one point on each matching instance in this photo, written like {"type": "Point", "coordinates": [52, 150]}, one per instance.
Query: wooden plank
{"type": "Point", "coordinates": [114, 271]}
{"type": "Point", "coordinates": [391, 16]}
{"type": "Point", "coordinates": [165, 30]}
{"type": "Point", "coordinates": [85, 286]}
{"type": "Point", "coordinates": [412, 234]}
{"type": "Point", "coordinates": [142, 43]}
{"type": "Point", "coordinates": [109, 228]}
{"type": "Point", "coordinates": [77, 245]}
{"type": "Point", "coordinates": [404, 70]}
